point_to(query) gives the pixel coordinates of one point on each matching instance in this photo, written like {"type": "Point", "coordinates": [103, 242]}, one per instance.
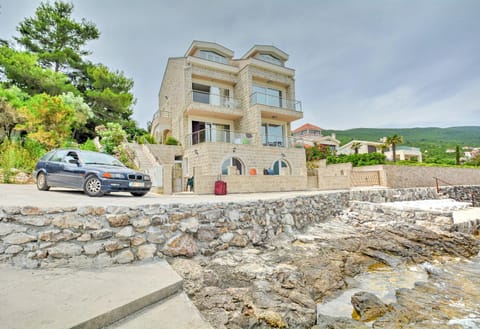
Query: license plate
{"type": "Point", "coordinates": [137, 184]}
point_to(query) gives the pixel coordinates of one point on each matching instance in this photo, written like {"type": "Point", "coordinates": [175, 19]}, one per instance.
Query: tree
{"type": "Point", "coordinates": [457, 155]}
{"type": "Point", "coordinates": [22, 70]}
{"type": "Point", "coordinates": [83, 112]}
{"type": "Point", "coordinates": [10, 100]}
{"type": "Point", "coordinates": [355, 146]}
{"type": "Point", "coordinates": [56, 37]}
{"type": "Point", "coordinates": [48, 120]}
{"type": "Point", "coordinates": [393, 141]}
{"type": "Point", "coordinates": [111, 136]}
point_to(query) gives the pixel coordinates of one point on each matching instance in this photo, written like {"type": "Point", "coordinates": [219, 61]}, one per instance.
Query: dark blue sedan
{"type": "Point", "coordinates": [93, 172]}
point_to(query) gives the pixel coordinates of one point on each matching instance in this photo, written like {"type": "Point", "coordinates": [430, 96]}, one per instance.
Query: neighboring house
{"type": "Point", "coordinates": [363, 147]}
{"type": "Point", "coordinates": [401, 152]}
{"type": "Point", "coordinates": [405, 153]}
{"type": "Point", "coordinates": [232, 118]}
{"type": "Point", "coordinates": [309, 134]}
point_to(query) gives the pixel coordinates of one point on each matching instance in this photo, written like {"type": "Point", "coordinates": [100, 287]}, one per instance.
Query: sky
{"type": "Point", "coordinates": [358, 63]}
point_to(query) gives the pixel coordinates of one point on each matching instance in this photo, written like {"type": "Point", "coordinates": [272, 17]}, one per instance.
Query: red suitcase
{"type": "Point", "coordinates": [220, 187]}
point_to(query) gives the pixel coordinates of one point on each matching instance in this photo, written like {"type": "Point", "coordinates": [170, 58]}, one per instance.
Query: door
{"type": "Point", "coordinates": [54, 169]}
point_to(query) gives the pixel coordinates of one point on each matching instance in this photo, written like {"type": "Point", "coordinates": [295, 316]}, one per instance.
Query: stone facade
{"type": "Point", "coordinates": [101, 236]}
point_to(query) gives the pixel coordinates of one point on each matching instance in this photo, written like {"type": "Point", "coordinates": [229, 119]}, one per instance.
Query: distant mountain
{"type": "Point", "coordinates": [419, 137]}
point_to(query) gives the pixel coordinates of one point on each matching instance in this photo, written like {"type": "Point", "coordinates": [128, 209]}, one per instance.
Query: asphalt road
{"type": "Point", "coordinates": [12, 195]}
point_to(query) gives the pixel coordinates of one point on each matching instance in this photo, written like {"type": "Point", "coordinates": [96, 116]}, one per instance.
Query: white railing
{"type": "Point", "coordinates": [275, 101]}
{"type": "Point", "coordinates": [218, 136]}
{"type": "Point", "coordinates": [214, 99]}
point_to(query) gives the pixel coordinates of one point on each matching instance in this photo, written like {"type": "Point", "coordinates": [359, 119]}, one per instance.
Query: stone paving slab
{"type": "Point", "coordinates": [177, 312]}
{"type": "Point", "coordinates": [69, 298]}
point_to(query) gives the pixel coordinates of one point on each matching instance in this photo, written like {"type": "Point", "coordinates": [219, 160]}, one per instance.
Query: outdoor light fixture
{"type": "Point", "coordinates": [196, 152]}
{"type": "Point", "coordinates": [234, 149]}
{"type": "Point", "coordinates": [283, 155]}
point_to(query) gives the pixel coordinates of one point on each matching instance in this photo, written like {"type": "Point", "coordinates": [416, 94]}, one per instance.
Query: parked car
{"type": "Point", "coordinates": [93, 172]}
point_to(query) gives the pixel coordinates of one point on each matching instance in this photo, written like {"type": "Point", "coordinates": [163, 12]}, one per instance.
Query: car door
{"type": "Point", "coordinates": [72, 171]}
{"type": "Point", "coordinates": [54, 168]}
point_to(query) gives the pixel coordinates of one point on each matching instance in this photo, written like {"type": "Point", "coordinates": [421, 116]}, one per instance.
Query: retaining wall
{"type": "Point", "coordinates": [470, 193]}
{"type": "Point", "coordinates": [101, 236]}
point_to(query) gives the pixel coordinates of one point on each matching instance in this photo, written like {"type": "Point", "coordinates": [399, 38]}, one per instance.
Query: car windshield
{"type": "Point", "coordinates": [100, 159]}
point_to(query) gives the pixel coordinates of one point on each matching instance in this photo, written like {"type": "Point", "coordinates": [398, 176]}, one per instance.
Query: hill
{"type": "Point", "coordinates": [433, 142]}
{"type": "Point", "coordinates": [447, 137]}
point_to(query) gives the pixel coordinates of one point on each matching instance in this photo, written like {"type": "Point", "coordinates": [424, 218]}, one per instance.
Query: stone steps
{"type": "Point", "coordinates": [94, 298]}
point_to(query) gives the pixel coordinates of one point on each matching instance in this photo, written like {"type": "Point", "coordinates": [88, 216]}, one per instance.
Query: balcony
{"type": "Point", "coordinates": [212, 105]}
{"type": "Point", "coordinates": [218, 136]}
{"type": "Point", "coordinates": [281, 141]}
{"type": "Point", "coordinates": [274, 107]}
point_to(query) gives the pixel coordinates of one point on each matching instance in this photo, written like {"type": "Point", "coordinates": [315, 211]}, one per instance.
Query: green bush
{"type": "Point", "coordinates": [89, 145]}
{"type": "Point", "coordinates": [145, 139]}
{"type": "Point", "coordinates": [358, 160]}
{"type": "Point", "coordinates": [15, 156]}
{"type": "Point", "coordinates": [171, 141]}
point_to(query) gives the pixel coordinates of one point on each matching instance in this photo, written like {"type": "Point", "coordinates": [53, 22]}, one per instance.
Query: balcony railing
{"type": "Point", "coordinates": [275, 101]}
{"type": "Point", "coordinates": [218, 136]}
{"type": "Point", "coordinates": [280, 141]}
{"type": "Point", "coordinates": [214, 99]}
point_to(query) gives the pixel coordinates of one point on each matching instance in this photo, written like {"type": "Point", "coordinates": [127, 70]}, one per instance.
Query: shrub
{"type": "Point", "coordinates": [171, 141]}
{"type": "Point", "coordinates": [145, 139]}
{"type": "Point", "coordinates": [89, 145]}
{"type": "Point", "coordinates": [358, 160]}
{"type": "Point", "coordinates": [14, 156]}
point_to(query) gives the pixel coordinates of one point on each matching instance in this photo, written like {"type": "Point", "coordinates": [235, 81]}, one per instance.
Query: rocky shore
{"type": "Point", "coordinates": [279, 284]}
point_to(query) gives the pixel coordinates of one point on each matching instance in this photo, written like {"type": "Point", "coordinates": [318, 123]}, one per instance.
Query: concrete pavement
{"type": "Point", "coordinates": [95, 298]}
{"type": "Point", "coordinates": [17, 195]}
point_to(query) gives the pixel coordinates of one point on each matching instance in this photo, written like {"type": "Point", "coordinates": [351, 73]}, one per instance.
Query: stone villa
{"type": "Point", "coordinates": [232, 118]}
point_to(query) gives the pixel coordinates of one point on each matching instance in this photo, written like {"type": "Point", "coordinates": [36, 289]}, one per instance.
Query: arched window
{"type": "Point", "coordinates": [281, 166]}
{"type": "Point", "coordinates": [235, 162]}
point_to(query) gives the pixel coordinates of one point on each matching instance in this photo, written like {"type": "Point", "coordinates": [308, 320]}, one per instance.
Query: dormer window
{"type": "Point", "coordinates": [212, 56]}
{"type": "Point", "coordinates": [270, 59]}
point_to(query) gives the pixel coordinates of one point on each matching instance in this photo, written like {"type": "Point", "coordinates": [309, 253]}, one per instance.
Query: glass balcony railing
{"type": "Point", "coordinates": [275, 101]}
{"type": "Point", "coordinates": [218, 136]}
{"type": "Point", "coordinates": [280, 141]}
{"type": "Point", "coordinates": [198, 96]}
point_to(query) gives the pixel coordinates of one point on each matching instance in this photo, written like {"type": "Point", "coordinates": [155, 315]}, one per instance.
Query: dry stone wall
{"type": "Point", "coordinates": [33, 237]}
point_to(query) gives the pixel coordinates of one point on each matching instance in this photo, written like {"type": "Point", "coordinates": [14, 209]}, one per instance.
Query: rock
{"type": "Point", "coordinates": [239, 241]}
{"type": "Point", "coordinates": [330, 322]}
{"type": "Point", "coordinates": [93, 248]}
{"type": "Point", "coordinates": [155, 235]}
{"type": "Point", "coordinates": [141, 223]}
{"type": "Point", "coordinates": [137, 240]}
{"type": "Point", "coordinates": [84, 237]}
{"type": "Point", "coordinates": [118, 220]}
{"type": "Point", "coordinates": [68, 221]}
{"type": "Point", "coordinates": [113, 245]}
{"type": "Point", "coordinates": [272, 318]}
{"type": "Point", "coordinates": [102, 234]}
{"type": "Point", "coordinates": [13, 250]}
{"type": "Point", "coordinates": [124, 257]}
{"type": "Point", "coordinates": [227, 237]}
{"type": "Point", "coordinates": [7, 228]}
{"type": "Point", "coordinates": [65, 250]}
{"type": "Point", "coordinates": [190, 225]}
{"type": "Point", "coordinates": [125, 233]}
{"type": "Point", "coordinates": [48, 235]}
{"type": "Point", "coordinates": [181, 245]}
{"type": "Point", "coordinates": [117, 210]}
{"type": "Point", "coordinates": [146, 251]}
{"type": "Point", "coordinates": [29, 211]}
{"type": "Point", "coordinates": [19, 238]}
{"type": "Point", "coordinates": [92, 224]}
{"type": "Point", "coordinates": [36, 221]}
{"type": "Point", "coordinates": [206, 233]}
{"type": "Point", "coordinates": [368, 306]}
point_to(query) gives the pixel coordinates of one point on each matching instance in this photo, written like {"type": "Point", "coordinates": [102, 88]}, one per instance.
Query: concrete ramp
{"type": "Point", "coordinates": [87, 298]}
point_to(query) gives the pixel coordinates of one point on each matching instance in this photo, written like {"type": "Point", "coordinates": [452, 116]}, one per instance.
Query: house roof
{"type": "Point", "coordinates": [267, 50]}
{"type": "Point", "coordinates": [306, 126]}
{"type": "Point", "coordinates": [212, 46]}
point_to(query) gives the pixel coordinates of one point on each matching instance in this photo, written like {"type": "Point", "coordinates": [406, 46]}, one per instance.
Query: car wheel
{"type": "Point", "coordinates": [42, 182]}
{"type": "Point", "coordinates": [138, 193]}
{"type": "Point", "coordinates": [93, 186]}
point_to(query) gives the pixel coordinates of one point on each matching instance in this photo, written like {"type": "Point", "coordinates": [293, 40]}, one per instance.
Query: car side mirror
{"type": "Point", "coordinates": [73, 161]}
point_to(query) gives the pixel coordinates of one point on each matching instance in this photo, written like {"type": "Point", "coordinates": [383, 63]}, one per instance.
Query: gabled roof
{"type": "Point", "coordinates": [307, 126]}
{"type": "Point", "coordinates": [212, 46]}
{"type": "Point", "coordinates": [266, 49]}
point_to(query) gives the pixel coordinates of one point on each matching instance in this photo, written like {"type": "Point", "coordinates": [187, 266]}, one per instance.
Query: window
{"type": "Point", "coordinates": [267, 96]}
{"type": "Point", "coordinates": [235, 162]}
{"type": "Point", "coordinates": [210, 95]}
{"type": "Point", "coordinates": [272, 134]}
{"type": "Point", "coordinates": [270, 59]}
{"type": "Point", "coordinates": [213, 56]}
{"type": "Point", "coordinates": [58, 156]}
{"type": "Point", "coordinates": [281, 166]}
{"type": "Point", "coordinates": [209, 132]}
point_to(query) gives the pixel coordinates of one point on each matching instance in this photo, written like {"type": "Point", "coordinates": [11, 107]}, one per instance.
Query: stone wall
{"type": "Point", "coordinates": [101, 236]}
{"type": "Point", "coordinates": [417, 176]}
{"type": "Point", "coordinates": [465, 193]}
